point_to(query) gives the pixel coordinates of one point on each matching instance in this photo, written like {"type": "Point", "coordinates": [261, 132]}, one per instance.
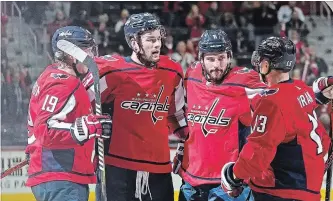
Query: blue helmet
{"type": "Point", "coordinates": [74, 34]}
{"type": "Point", "coordinates": [214, 41]}
{"type": "Point", "coordinates": [139, 23]}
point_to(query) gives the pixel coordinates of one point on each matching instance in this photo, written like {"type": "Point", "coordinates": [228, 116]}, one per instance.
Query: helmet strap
{"type": "Point", "coordinates": [263, 75]}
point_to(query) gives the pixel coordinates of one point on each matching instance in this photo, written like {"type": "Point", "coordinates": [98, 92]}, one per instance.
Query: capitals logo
{"type": "Point", "coordinates": [209, 119]}
{"type": "Point", "coordinates": [148, 105]}
{"type": "Point", "coordinates": [268, 92]}
{"type": "Point", "coordinates": [243, 71]}
{"type": "Point", "coordinates": [59, 76]}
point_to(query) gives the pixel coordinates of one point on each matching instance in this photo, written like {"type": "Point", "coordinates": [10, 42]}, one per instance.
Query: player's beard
{"type": "Point", "coordinates": [216, 75]}
{"type": "Point", "coordinates": [154, 56]}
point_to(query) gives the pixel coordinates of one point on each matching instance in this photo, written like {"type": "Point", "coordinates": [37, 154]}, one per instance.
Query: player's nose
{"type": "Point", "coordinates": [158, 44]}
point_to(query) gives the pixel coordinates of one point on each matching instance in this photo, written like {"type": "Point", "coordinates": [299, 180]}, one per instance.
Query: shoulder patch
{"type": "Point", "coordinates": [268, 92]}
{"type": "Point", "coordinates": [195, 64]}
{"type": "Point", "coordinates": [244, 70]}
{"type": "Point", "coordinates": [59, 76]}
{"type": "Point", "coordinates": [109, 58]}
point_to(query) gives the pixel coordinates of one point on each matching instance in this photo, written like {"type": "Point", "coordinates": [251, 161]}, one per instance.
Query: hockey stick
{"type": "Point", "coordinates": [74, 51]}
{"type": "Point", "coordinates": [13, 169]}
{"type": "Point", "coordinates": [329, 161]}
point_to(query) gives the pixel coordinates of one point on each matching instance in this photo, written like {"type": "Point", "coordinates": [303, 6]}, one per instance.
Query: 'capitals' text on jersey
{"type": "Point", "coordinates": [205, 118]}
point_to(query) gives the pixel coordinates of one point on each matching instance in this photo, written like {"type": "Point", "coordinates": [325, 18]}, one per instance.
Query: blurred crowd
{"type": "Point", "coordinates": [246, 23]}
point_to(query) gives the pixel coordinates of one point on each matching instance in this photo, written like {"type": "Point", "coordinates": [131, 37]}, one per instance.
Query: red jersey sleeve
{"type": "Point", "coordinates": [54, 109]}
{"type": "Point", "coordinates": [176, 113]}
{"type": "Point", "coordinates": [268, 131]}
{"type": "Point", "coordinates": [245, 115]}
{"type": "Point", "coordinates": [108, 84]}
{"type": "Point", "coordinates": [108, 79]}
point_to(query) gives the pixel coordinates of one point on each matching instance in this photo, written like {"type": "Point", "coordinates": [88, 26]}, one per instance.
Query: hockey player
{"type": "Point", "coordinates": [283, 159]}
{"type": "Point", "coordinates": [144, 95]}
{"type": "Point", "coordinates": [219, 117]}
{"type": "Point", "coordinates": [62, 127]}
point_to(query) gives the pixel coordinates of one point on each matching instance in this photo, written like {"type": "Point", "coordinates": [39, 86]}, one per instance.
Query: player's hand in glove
{"type": "Point", "coordinates": [91, 126]}
{"type": "Point", "coordinates": [178, 159]}
{"type": "Point", "coordinates": [229, 183]}
{"type": "Point", "coordinates": [323, 87]}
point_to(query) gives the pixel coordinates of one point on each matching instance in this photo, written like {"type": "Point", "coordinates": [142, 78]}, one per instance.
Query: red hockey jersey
{"type": "Point", "coordinates": [284, 156]}
{"type": "Point", "coordinates": [219, 120]}
{"type": "Point", "coordinates": [57, 99]}
{"type": "Point", "coordinates": [143, 103]}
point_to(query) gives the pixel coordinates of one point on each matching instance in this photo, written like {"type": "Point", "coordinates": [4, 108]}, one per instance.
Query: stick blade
{"type": "Point", "coordinates": [71, 49]}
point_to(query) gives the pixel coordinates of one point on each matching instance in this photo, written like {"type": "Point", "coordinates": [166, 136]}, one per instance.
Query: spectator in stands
{"type": "Point", "coordinates": [229, 25]}
{"type": "Point", "coordinates": [4, 20]}
{"type": "Point", "coordinates": [296, 74]}
{"type": "Point", "coordinates": [59, 21]}
{"type": "Point", "coordinates": [247, 26]}
{"type": "Point", "coordinates": [119, 31]}
{"type": "Point", "coordinates": [324, 117]}
{"type": "Point", "coordinates": [169, 13]}
{"type": "Point", "coordinates": [167, 48]}
{"type": "Point", "coordinates": [195, 21]}
{"type": "Point", "coordinates": [4, 99]}
{"type": "Point", "coordinates": [82, 21]}
{"type": "Point", "coordinates": [285, 12]}
{"type": "Point", "coordinates": [4, 57]}
{"type": "Point", "coordinates": [228, 21]}
{"type": "Point", "coordinates": [65, 6]}
{"type": "Point", "coordinates": [123, 18]}
{"type": "Point", "coordinates": [264, 20]}
{"type": "Point", "coordinates": [182, 57]}
{"type": "Point", "coordinates": [317, 64]}
{"type": "Point", "coordinates": [25, 84]}
{"type": "Point", "coordinates": [13, 92]}
{"type": "Point", "coordinates": [242, 43]}
{"type": "Point", "coordinates": [297, 24]}
{"type": "Point", "coordinates": [102, 34]}
{"type": "Point", "coordinates": [213, 16]}
{"type": "Point", "coordinates": [190, 48]}
{"type": "Point", "coordinates": [295, 37]}
{"type": "Point", "coordinates": [50, 12]}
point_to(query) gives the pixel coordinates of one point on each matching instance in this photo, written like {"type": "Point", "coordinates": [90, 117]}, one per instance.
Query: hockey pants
{"type": "Point", "coordinates": [129, 185]}
{"type": "Point", "coordinates": [61, 191]}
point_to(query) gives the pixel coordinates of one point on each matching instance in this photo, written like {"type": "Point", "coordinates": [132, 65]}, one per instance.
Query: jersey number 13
{"type": "Point", "coordinates": [261, 122]}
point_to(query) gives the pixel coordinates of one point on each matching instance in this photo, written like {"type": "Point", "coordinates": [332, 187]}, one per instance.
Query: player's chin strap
{"type": "Point", "coordinates": [142, 184]}
{"type": "Point", "coordinates": [263, 75]}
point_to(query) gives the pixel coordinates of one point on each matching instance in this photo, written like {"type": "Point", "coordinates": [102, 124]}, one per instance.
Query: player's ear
{"type": "Point", "coordinates": [264, 67]}
{"type": "Point", "coordinates": [135, 45]}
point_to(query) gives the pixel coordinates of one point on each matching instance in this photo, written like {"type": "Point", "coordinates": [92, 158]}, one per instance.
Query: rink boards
{"type": "Point", "coordinates": [13, 186]}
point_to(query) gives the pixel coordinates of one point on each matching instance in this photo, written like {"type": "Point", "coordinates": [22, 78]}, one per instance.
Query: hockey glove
{"type": "Point", "coordinates": [323, 88]}
{"type": "Point", "coordinates": [232, 186]}
{"type": "Point", "coordinates": [178, 159]}
{"type": "Point", "coordinates": [91, 126]}
{"type": "Point", "coordinates": [87, 80]}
